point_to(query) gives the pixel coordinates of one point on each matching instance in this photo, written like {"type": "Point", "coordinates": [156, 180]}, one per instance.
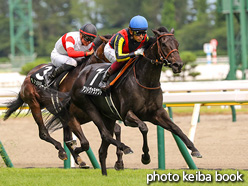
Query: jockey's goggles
{"type": "Point", "coordinates": [88, 38]}
{"type": "Point", "coordinates": [140, 32]}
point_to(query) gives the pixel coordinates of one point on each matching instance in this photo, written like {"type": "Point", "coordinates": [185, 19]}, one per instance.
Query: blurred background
{"type": "Point", "coordinates": [211, 33]}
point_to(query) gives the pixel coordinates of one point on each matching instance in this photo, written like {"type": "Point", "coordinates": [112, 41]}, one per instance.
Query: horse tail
{"type": "Point", "coordinates": [12, 106]}
{"type": "Point", "coordinates": [58, 108]}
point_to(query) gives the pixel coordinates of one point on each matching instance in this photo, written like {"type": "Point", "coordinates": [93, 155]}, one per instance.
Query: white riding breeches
{"type": "Point", "coordinates": [109, 53]}
{"type": "Point", "coordinates": [59, 59]}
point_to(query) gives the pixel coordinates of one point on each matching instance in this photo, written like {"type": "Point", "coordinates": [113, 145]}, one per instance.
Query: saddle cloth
{"type": "Point", "coordinates": [91, 85]}
{"type": "Point", "coordinates": [37, 78]}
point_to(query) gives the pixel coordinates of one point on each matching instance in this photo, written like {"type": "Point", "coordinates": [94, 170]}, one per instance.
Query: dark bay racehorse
{"type": "Point", "coordinates": [137, 98]}
{"type": "Point", "coordinates": [29, 95]}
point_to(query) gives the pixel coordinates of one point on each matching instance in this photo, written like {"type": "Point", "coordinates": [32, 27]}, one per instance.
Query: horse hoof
{"type": "Point", "coordinates": [196, 154]}
{"type": "Point", "coordinates": [145, 160]}
{"type": "Point", "coordinates": [84, 166]}
{"type": "Point", "coordinates": [119, 165]}
{"type": "Point", "coordinates": [128, 151]}
{"type": "Point", "coordinates": [63, 156]}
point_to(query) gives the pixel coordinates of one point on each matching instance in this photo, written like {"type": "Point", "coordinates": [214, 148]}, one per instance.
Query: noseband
{"type": "Point", "coordinates": [163, 58]}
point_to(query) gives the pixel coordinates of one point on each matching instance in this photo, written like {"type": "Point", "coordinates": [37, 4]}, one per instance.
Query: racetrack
{"type": "Point", "coordinates": [222, 143]}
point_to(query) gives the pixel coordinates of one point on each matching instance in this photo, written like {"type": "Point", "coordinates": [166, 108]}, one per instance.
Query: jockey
{"type": "Point", "coordinates": [124, 45]}
{"type": "Point", "coordinates": [70, 49]}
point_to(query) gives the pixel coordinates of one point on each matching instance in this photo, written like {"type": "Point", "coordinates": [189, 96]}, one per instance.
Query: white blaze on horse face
{"type": "Point", "coordinates": [98, 72]}
{"type": "Point", "coordinates": [41, 77]}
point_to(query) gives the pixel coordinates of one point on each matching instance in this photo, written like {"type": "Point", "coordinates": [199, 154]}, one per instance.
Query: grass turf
{"type": "Point", "coordinates": [128, 177]}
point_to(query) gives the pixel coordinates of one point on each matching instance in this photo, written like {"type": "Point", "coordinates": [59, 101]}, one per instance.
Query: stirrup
{"type": "Point", "coordinates": [104, 86]}
{"type": "Point", "coordinates": [103, 83]}
{"type": "Point", "coordinates": [48, 81]}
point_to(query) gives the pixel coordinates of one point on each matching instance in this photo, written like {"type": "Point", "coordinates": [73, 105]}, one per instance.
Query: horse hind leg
{"type": "Point", "coordinates": [132, 120]}
{"type": "Point", "coordinates": [43, 132]}
{"type": "Point", "coordinates": [74, 126]}
{"type": "Point", "coordinates": [162, 119]}
{"type": "Point", "coordinates": [97, 118]}
{"type": "Point", "coordinates": [119, 165]}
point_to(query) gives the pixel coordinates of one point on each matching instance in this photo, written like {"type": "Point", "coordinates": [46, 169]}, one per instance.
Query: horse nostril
{"type": "Point", "coordinates": [179, 65]}
{"type": "Point", "coordinates": [175, 65]}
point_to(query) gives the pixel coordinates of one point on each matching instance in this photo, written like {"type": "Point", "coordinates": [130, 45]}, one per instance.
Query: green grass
{"type": "Point", "coordinates": [128, 177]}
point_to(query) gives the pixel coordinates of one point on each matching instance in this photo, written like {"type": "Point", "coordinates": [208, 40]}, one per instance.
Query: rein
{"type": "Point", "coordinates": [148, 88]}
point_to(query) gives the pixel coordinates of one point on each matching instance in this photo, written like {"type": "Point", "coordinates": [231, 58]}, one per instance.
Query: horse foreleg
{"type": "Point", "coordinates": [119, 165]}
{"type": "Point", "coordinates": [162, 119]}
{"type": "Point", "coordinates": [74, 126]}
{"type": "Point", "coordinates": [132, 120]}
{"type": "Point", "coordinates": [43, 133]}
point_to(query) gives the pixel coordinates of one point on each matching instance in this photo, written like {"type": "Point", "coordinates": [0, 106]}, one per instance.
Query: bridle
{"type": "Point", "coordinates": [163, 58]}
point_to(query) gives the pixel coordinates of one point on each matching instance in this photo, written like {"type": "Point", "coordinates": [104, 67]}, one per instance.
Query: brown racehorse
{"type": "Point", "coordinates": [137, 98]}
{"type": "Point", "coordinates": [29, 95]}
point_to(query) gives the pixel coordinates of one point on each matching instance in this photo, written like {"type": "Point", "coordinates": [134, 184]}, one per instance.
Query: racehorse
{"type": "Point", "coordinates": [29, 94]}
{"type": "Point", "coordinates": [137, 98]}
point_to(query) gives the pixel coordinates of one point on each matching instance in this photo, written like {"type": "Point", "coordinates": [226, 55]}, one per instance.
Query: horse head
{"type": "Point", "coordinates": [167, 49]}
{"type": "Point", "coordinates": [98, 56]}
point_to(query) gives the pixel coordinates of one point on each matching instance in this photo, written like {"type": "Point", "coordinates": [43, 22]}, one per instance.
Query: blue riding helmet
{"type": "Point", "coordinates": [138, 23]}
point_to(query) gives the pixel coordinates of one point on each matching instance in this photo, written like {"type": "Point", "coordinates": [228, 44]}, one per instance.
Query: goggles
{"type": "Point", "coordinates": [140, 32]}
{"type": "Point", "coordinates": [88, 38]}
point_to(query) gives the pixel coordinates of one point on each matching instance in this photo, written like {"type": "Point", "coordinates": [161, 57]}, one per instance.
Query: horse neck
{"type": "Point", "coordinates": [148, 73]}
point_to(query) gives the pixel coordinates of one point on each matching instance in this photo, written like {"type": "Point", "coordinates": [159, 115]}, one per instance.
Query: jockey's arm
{"type": "Point", "coordinates": [91, 51]}
{"type": "Point", "coordinates": [70, 42]}
{"type": "Point", "coordinates": [120, 56]}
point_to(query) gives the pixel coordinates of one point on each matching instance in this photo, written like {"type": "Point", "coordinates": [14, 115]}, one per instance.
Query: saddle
{"type": "Point", "coordinates": [91, 86]}
{"type": "Point", "coordinates": [38, 79]}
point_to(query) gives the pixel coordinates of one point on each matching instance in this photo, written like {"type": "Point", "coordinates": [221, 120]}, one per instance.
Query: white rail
{"type": "Point", "coordinates": [235, 97]}
{"type": "Point", "coordinates": [7, 94]}
{"type": "Point", "coordinates": [233, 92]}
{"type": "Point", "coordinates": [205, 86]}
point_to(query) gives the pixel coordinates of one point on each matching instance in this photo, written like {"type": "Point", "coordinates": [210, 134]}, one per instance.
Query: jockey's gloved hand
{"type": "Point", "coordinates": [140, 51]}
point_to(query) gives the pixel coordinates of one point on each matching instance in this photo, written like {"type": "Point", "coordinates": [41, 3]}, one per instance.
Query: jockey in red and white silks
{"type": "Point", "coordinates": [70, 48]}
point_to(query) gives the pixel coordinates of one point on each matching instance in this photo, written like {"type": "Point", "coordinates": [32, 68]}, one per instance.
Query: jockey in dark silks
{"type": "Point", "coordinates": [124, 45]}
{"type": "Point", "coordinates": [70, 49]}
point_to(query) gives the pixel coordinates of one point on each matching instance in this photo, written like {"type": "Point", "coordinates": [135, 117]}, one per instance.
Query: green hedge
{"type": "Point", "coordinates": [29, 66]}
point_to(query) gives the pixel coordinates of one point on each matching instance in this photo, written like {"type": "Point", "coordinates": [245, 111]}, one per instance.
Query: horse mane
{"type": "Point", "coordinates": [153, 39]}
{"type": "Point", "coordinates": [98, 41]}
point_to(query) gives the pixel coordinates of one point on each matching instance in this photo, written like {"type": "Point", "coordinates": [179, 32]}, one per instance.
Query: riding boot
{"type": "Point", "coordinates": [56, 72]}
{"type": "Point", "coordinates": [103, 83]}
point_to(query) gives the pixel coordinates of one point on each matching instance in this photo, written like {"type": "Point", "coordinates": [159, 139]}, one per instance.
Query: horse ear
{"type": "Point", "coordinates": [104, 39]}
{"type": "Point", "coordinates": [172, 31]}
{"type": "Point", "coordinates": [156, 32]}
